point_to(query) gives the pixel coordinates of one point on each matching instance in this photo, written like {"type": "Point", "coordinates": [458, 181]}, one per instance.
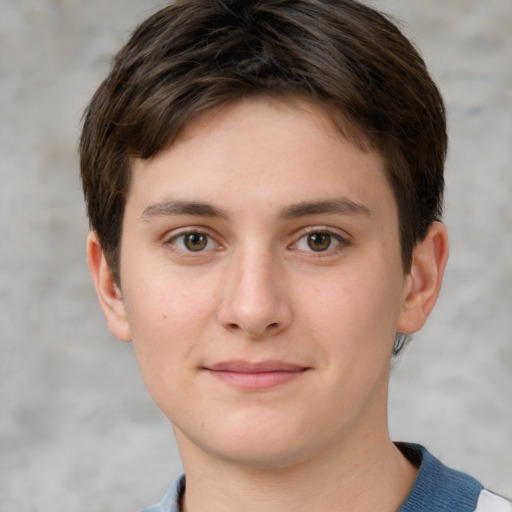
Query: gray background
{"type": "Point", "coordinates": [77, 429]}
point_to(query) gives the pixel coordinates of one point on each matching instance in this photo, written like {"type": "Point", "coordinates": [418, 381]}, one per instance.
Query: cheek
{"type": "Point", "coordinates": [168, 319]}
{"type": "Point", "coordinates": [166, 331]}
{"type": "Point", "coordinates": [358, 307]}
{"type": "Point", "coordinates": [163, 305]}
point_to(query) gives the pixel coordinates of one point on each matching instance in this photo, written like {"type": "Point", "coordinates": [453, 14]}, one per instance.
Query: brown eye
{"type": "Point", "coordinates": [195, 242]}
{"type": "Point", "coordinates": [319, 241]}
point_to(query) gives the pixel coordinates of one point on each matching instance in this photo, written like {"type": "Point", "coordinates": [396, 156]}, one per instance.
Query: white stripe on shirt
{"type": "Point", "coordinates": [489, 502]}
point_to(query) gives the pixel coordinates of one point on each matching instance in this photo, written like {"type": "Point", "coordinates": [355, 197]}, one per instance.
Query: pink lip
{"type": "Point", "coordinates": [255, 375]}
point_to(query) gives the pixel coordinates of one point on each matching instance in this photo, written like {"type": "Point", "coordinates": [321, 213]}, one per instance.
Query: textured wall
{"type": "Point", "coordinates": [77, 426]}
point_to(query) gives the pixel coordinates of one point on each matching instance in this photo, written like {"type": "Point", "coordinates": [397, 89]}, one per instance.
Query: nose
{"type": "Point", "coordinates": [254, 301]}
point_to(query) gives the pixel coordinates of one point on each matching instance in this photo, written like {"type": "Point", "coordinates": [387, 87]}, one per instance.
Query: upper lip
{"type": "Point", "coordinates": [241, 366]}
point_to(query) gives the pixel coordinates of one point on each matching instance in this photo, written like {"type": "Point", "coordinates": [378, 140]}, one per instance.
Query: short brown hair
{"type": "Point", "coordinates": [194, 55]}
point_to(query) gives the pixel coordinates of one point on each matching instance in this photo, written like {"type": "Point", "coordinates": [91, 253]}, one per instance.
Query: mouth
{"type": "Point", "coordinates": [256, 376]}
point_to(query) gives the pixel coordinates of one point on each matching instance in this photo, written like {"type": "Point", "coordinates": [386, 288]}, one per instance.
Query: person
{"type": "Point", "coordinates": [264, 183]}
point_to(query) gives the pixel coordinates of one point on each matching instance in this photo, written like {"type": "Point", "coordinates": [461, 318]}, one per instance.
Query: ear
{"type": "Point", "coordinates": [423, 283]}
{"type": "Point", "coordinates": [109, 294]}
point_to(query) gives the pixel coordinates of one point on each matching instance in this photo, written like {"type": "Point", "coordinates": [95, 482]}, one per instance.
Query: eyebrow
{"type": "Point", "coordinates": [177, 207]}
{"type": "Point", "coordinates": [341, 206]}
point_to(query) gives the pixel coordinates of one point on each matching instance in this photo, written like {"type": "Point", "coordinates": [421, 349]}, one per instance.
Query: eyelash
{"type": "Point", "coordinates": [174, 242]}
{"type": "Point", "coordinates": [334, 237]}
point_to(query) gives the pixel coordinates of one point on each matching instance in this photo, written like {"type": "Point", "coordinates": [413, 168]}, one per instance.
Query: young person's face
{"type": "Point", "coordinates": [262, 284]}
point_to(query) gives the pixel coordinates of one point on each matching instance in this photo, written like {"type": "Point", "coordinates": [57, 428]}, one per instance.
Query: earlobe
{"type": "Point", "coordinates": [109, 294]}
{"type": "Point", "coordinates": [424, 279]}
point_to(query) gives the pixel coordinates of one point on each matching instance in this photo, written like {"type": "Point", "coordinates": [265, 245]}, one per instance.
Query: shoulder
{"type": "Point", "coordinates": [490, 502]}
{"type": "Point", "coordinates": [172, 499]}
{"type": "Point", "coordinates": [439, 488]}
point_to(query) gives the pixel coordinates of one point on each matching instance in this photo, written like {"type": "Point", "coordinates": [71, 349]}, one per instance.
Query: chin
{"type": "Point", "coordinates": [253, 445]}
{"type": "Point", "coordinates": [263, 448]}
{"type": "Point", "coordinates": [263, 456]}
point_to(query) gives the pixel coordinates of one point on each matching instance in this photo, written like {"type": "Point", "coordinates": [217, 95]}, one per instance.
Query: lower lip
{"type": "Point", "coordinates": [256, 381]}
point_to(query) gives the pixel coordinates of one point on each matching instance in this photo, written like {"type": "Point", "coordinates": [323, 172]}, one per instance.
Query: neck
{"type": "Point", "coordinates": [367, 474]}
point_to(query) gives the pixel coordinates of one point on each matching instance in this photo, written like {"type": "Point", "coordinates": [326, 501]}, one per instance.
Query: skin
{"type": "Point", "coordinates": [262, 286]}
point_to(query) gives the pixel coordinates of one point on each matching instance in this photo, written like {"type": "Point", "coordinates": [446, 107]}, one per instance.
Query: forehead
{"type": "Point", "coordinates": [320, 113]}
{"type": "Point", "coordinates": [262, 149]}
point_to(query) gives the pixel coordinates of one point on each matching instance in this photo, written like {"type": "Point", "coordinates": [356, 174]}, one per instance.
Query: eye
{"type": "Point", "coordinates": [319, 241]}
{"type": "Point", "coordinates": [193, 241]}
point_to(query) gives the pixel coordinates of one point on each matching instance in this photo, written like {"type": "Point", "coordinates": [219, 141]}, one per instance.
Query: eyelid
{"type": "Point", "coordinates": [172, 236]}
{"type": "Point", "coordinates": [342, 238]}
